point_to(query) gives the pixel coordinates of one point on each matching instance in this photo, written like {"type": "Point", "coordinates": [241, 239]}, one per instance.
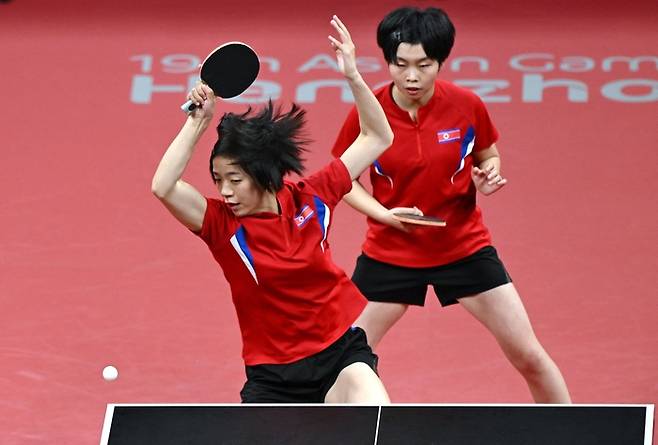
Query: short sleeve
{"type": "Point", "coordinates": [330, 183]}
{"type": "Point", "coordinates": [347, 134]}
{"type": "Point", "coordinates": [486, 133]}
{"type": "Point", "coordinates": [217, 222]}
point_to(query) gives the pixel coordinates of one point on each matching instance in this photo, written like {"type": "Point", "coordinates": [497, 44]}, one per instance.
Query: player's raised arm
{"type": "Point", "coordinates": [180, 198]}
{"type": "Point", "coordinates": [376, 134]}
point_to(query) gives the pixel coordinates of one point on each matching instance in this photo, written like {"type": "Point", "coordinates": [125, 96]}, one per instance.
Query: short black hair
{"type": "Point", "coordinates": [431, 28]}
{"type": "Point", "coordinates": [267, 144]}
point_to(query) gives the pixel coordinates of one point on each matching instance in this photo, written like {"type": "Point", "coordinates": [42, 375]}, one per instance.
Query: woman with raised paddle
{"type": "Point", "coordinates": [269, 236]}
{"type": "Point", "coordinates": [444, 152]}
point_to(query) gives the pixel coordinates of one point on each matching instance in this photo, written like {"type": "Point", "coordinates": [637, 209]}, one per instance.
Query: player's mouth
{"type": "Point", "coordinates": [233, 206]}
{"type": "Point", "coordinates": [412, 91]}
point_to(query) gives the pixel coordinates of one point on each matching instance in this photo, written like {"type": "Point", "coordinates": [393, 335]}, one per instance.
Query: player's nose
{"type": "Point", "coordinates": [412, 75]}
{"type": "Point", "coordinates": [225, 190]}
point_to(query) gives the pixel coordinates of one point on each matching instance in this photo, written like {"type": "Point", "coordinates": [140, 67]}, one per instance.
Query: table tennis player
{"type": "Point", "coordinates": [444, 151]}
{"type": "Point", "coordinates": [269, 236]}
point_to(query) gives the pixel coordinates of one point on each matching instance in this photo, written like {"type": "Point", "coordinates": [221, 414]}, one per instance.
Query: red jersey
{"type": "Point", "coordinates": [428, 166]}
{"type": "Point", "coordinates": [289, 295]}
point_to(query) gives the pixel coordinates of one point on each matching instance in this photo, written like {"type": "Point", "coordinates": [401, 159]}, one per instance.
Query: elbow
{"type": "Point", "coordinates": [158, 189]}
{"type": "Point", "coordinates": [386, 140]}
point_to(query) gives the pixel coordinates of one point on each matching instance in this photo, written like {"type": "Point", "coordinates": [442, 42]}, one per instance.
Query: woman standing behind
{"type": "Point", "coordinates": [444, 152]}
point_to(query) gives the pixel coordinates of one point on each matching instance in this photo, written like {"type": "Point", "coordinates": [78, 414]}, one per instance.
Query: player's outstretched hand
{"type": "Point", "coordinates": [487, 181]}
{"type": "Point", "coordinates": [344, 48]}
{"type": "Point", "coordinates": [204, 98]}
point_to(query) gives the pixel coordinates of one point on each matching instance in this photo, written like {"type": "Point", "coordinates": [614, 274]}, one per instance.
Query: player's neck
{"type": "Point", "coordinates": [269, 204]}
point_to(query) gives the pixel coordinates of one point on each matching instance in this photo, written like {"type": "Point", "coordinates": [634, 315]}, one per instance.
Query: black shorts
{"type": "Point", "coordinates": [307, 380]}
{"type": "Point", "coordinates": [470, 275]}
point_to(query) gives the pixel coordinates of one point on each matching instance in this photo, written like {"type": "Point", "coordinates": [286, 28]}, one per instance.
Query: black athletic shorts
{"type": "Point", "coordinates": [470, 275]}
{"type": "Point", "coordinates": [307, 380]}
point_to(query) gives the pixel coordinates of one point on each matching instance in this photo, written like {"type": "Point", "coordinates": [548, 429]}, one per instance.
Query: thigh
{"type": "Point", "coordinates": [377, 318]}
{"type": "Point", "coordinates": [502, 312]}
{"type": "Point", "coordinates": [357, 383]}
{"type": "Point", "coordinates": [353, 348]}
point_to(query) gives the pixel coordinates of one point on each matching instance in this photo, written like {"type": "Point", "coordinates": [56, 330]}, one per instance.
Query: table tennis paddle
{"type": "Point", "coordinates": [228, 70]}
{"type": "Point", "coordinates": [412, 218]}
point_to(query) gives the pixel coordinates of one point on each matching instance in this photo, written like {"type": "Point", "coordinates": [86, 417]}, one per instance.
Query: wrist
{"type": "Point", "coordinates": [196, 126]}
{"type": "Point", "coordinates": [382, 215]}
{"type": "Point", "coordinates": [354, 78]}
{"type": "Point", "coordinates": [196, 122]}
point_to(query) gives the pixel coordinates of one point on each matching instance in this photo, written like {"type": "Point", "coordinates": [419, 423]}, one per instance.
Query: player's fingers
{"type": "Point", "coordinates": [413, 210]}
{"type": "Point", "coordinates": [344, 36]}
{"type": "Point", "coordinates": [494, 180]}
{"type": "Point", "coordinates": [198, 89]}
{"type": "Point", "coordinates": [342, 26]}
{"type": "Point", "coordinates": [340, 46]}
{"type": "Point", "coordinates": [498, 181]}
{"type": "Point", "coordinates": [498, 185]}
{"type": "Point", "coordinates": [195, 97]}
{"type": "Point", "coordinates": [492, 174]}
{"type": "Point", "coordinates": [334, 42]}
{"type": "Point", "coordinates": [207, 91]}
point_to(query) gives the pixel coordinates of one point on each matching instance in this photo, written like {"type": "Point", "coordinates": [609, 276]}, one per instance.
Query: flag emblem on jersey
{"type": "Point", "coordinates": [444, 136]}
{"type": "Point", "coordinates": [304, 214]}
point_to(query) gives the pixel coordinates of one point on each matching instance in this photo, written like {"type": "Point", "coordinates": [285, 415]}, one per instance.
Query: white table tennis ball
{"type": "Point", "coordinates": [110, 373]}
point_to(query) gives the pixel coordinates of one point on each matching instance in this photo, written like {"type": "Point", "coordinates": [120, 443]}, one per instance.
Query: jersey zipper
{"type": "Point", "coordinates": [419, 147]}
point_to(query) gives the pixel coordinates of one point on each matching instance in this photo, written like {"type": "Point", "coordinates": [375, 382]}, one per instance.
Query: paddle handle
{"type": "Point", "coordinates": [188, 106]}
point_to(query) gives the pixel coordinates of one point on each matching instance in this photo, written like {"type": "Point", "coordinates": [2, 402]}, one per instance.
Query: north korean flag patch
{"type": "Point", "coordinates": [444, 136]}
{"type": "Point", "coordinates": [304, 214]}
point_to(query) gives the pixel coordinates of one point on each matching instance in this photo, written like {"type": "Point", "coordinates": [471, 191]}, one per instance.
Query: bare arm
{"type": "Point", "coordinates": [181, 199]}
{"type": "Point", "coordinates": [376, 134]}
{"type": "Point", "coordinates": [362, 201]}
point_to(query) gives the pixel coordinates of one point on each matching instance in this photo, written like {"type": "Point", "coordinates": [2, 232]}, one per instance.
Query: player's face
{"type": "Point", "coordinates": [237, 188]}
{"type": "Point", "coordinates": [414, 73]}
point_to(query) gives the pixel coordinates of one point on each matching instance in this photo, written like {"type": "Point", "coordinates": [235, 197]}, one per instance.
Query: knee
{"type": "Point", "coordinates": [530, 360]}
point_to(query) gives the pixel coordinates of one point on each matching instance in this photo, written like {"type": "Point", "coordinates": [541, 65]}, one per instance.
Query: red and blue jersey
{"type": "Point", "coordinates": [289, 296]}
{"type": "Point", "coordinates": [428, 166]}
